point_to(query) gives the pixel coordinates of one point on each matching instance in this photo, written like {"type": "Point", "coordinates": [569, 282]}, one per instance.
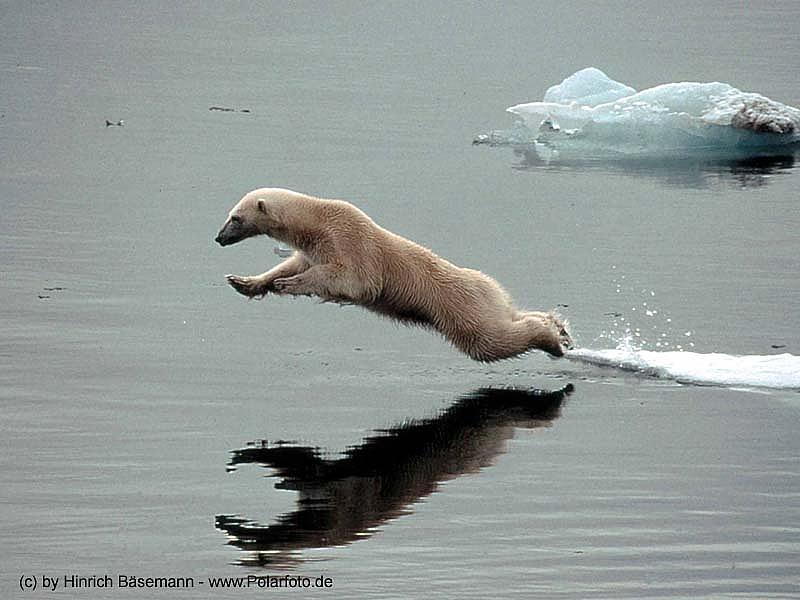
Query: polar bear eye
{"type": "Point", "coordinates": [236, 219]}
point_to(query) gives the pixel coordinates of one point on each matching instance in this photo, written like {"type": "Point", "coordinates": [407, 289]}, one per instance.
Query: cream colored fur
{"type": "Point", "coordinates": [344, 256]}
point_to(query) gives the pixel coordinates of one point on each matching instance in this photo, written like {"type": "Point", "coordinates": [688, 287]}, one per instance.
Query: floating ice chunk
{"type": "Point", "coordinates": [588, 87]}
{"type": "Point", "coordinates": [589, 112]}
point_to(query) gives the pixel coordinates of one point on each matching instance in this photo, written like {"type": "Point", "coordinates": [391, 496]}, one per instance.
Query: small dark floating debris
{"type": "Point", "coordinates": [119, 123]}
{"type": "Point", "coordinates": [56, 288]}
{"type": "Point", "coordinates": [228, 109]}
{"type": "Point", "coordinates": [778, 346]}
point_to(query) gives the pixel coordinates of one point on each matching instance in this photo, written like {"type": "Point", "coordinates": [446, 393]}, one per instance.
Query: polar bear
{"type": "Point", "coordinates": [341, 255]}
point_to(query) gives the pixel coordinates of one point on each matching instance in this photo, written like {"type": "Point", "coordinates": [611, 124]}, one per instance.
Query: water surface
{"type": "Point", "coordinates": [131, 372]}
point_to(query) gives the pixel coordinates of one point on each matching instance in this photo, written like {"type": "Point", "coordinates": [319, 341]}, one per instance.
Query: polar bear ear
{"type": "Point", "coordinates": [262, 206]}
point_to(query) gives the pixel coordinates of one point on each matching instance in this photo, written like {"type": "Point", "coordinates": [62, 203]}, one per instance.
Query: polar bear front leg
{"type": "Point", "coordinates": [260, 285]}
{"type": "Point", "coordinates": [328, 281]}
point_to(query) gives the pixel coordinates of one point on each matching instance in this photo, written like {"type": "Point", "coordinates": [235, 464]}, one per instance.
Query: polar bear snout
{"type": "Point", "coordinates": [226, 235]}
{"type": "Point", "coordinates": [234, 230]}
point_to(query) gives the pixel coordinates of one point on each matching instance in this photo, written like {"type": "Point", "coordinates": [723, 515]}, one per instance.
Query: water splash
{"type": "Point", "coordinates": [779, 371]}
{"type": "Point", "coordinates": [647, 341]}
{"type": "Point", "coordinates": [646, 324]}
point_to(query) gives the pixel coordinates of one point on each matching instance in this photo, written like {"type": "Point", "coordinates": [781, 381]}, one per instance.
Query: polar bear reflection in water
{"type": "Point", "coordinates": [345, 499]}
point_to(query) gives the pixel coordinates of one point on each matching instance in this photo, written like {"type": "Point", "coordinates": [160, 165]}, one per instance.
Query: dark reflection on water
{"type": "Point", "coordinates": [691, 171]}
{"type": "Point", "coordinates": [345, 499]}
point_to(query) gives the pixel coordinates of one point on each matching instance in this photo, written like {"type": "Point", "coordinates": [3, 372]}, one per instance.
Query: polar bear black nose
{"type": "Point", "coordinates": [224, 236]}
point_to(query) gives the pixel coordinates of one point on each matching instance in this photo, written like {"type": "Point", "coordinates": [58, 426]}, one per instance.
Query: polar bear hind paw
{"type": "Point", "coordinates": [562, 325]}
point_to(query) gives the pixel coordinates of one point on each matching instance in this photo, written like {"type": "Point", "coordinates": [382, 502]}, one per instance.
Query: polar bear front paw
{"type": "Point", "coordinates": [247, 286]}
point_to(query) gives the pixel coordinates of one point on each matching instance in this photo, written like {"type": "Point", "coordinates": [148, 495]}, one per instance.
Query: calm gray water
{"type": "Point", "coordinates": [130, 372]}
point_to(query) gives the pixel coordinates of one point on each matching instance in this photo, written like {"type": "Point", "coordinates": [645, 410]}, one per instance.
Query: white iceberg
{"type": "Point", "coordinates": [589, 113]}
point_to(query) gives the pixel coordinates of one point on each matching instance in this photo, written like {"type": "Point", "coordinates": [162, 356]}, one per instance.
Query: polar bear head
{"type": "Point", "coordinates": [259, 212]}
